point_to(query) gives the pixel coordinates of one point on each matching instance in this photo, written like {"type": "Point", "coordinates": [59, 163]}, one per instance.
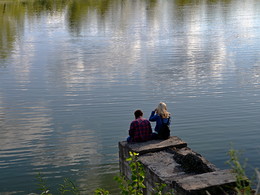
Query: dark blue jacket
{"type": "Point", "coordinates": [158, 119]}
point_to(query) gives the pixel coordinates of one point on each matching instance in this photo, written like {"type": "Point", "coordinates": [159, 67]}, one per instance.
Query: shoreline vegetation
{"type": "Point", "coordinates": [135, 186]}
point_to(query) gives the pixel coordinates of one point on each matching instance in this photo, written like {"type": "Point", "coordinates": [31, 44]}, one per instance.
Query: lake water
{"type": "Point", "coordinates": [73, 72]}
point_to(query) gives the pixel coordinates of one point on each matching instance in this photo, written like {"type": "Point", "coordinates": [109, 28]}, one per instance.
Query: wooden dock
{"type": "Point", "coordinates": [173, 163]}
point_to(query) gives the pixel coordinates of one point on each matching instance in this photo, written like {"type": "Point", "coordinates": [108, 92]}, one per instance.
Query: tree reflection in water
{"type": "Point", "coordinates": [13, 15]}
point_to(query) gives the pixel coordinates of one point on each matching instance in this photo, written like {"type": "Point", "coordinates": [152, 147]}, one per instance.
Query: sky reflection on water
{"type": "Point", "coordinates": [73, 72]}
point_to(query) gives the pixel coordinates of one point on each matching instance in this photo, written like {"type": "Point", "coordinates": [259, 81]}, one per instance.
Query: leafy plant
{"type": "Point", "coordinates": [159, 190]}
{"type": "Point", "coordinates": [258, 184]}
{"type": "Point", "coordinates": [68, 187]}
{"type": "Point", "coordinates": [42, 185]}
{"type": "Point", "coordinates": [101, 191]}
{"type": "Point", "coordinates": [135, 185]}
{"type": "Point", "coordinates": [243, 186]}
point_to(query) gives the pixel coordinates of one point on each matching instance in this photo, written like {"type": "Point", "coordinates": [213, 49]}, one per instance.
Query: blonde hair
{"type": "Point", "coordinates": [162, 110]}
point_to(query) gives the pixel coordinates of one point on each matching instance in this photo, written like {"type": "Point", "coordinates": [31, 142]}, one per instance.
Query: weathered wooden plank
{"type": "Point", "coordinates": [212, 181]}
{"type": "Point", "coordinates": [154, 145]}
{"type": "Point", "coordinates": [179, 167]}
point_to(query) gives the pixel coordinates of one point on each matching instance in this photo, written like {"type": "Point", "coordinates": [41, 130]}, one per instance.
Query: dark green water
{"type": "Point", "coordinates": [73, 72]}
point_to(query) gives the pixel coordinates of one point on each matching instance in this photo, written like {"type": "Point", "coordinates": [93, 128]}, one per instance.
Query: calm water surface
{"type": "Point", "coordinates": [73, 72]}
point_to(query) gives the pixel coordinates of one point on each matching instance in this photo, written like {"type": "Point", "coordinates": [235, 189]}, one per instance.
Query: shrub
{"type": "Point", "coordinates": [243, 184]}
